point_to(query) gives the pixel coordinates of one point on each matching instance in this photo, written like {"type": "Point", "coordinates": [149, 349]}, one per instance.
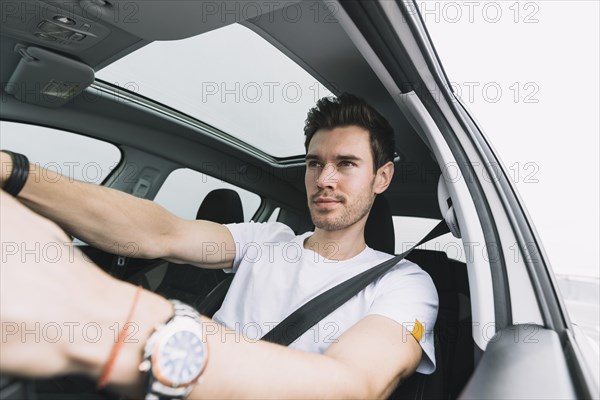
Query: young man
{"type": "Point", "coordinates": [361, 350]}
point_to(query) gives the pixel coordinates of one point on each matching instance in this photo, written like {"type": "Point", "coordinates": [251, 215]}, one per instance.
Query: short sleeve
{"type": "Point", "coordinates": [251, 237]}
{"type": "Point", "coordinates": [408, 296]}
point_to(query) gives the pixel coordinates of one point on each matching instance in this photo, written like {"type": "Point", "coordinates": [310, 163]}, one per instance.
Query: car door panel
{"type": "Point", "coordinates": [522, 361]}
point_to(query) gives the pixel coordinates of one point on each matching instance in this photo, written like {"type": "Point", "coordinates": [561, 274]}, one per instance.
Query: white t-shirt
{"type": "Point", "coordinates": [275, 275]}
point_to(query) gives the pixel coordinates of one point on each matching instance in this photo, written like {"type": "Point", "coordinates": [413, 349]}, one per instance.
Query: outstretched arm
{"type": "Point", "coordinates": [116, 222]}
{"type": "Point", "coordinates": [366, 362]}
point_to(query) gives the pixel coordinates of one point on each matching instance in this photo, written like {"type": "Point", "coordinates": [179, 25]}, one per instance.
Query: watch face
{"type": "Point", "coordinates": [180, 359]}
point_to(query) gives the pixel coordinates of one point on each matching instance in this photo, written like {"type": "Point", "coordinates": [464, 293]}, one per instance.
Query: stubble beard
{"type": "Point", "coordinates": [350, 214]}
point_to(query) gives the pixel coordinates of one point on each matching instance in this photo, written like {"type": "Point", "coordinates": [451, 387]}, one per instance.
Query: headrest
{"type": "Point", "coordinates": [446, 207]}
{"type": "Point", "coordinates": [222, 206]}
{"type": "Point", "coordinates": [379, 230]}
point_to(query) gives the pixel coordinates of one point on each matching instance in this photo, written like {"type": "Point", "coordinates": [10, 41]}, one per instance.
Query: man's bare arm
{"type": "Point", "coordinates": [367, 362]}
{"type": "Point", "coordinates": [120, 223]}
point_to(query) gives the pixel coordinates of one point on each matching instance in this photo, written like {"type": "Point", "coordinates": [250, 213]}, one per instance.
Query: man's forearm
{"type": "Point", "coordinates": [265, 370]}
{"type": "Point", "coordinates": [237, 366]}
{"type": "Point", "coordinates": [106, 218]}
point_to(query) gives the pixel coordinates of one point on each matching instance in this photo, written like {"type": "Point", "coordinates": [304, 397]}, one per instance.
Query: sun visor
{"type": "Point", "coordinates": [47, 79]}
{"type": "Point", "coordinates": [178, 19]}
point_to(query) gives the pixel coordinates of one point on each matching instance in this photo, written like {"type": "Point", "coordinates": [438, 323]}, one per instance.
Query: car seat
{"type": "Point", "coordinates": [452, 331]}
{"type": "Point", "coordinates": [379, 235]}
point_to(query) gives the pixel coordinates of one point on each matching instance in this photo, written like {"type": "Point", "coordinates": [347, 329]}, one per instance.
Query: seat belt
{"type": "Point", "coordinates": [313, 311]}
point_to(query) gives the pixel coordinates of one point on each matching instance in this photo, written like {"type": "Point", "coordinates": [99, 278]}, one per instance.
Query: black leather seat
{"type": "Point", "coordinates": [379, 229]}
{"type": "Point", "coordinates": [454, 343]}
{"type": "Point", "coordinates": [379, 235]}
{"type": "Point", "coordinates": [452, 330]}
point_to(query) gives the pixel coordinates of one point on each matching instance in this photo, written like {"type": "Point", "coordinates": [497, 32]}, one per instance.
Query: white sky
{"type": "Point", "coordinates": [547, 53]}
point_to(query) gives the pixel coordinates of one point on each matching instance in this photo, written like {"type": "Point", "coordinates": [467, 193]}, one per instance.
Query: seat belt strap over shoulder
{"type": "Point", "coordinates": [313, 311]}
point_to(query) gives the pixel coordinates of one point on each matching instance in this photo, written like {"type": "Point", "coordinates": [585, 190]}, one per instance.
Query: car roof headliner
{"type": "Point", "coordinates": [319, 46]}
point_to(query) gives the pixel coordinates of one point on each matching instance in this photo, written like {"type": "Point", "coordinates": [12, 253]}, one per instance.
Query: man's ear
{"type": "Point", "coordinates": [383, 177]}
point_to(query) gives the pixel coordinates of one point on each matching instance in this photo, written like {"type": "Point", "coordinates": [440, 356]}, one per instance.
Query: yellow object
{"type": "Point", "coordinates": [418, 330]}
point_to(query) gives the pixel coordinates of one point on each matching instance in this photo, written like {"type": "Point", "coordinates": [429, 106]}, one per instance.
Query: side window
{"type": "Point", "coordinates": [77, 156]}
{"type": "Point", "coordinates": [184, 189]}
{"type": "Point", "coordinates": [409, 230]}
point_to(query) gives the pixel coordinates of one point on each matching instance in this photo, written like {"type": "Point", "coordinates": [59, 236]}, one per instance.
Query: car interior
{"type": "Point", "coordinates": [53, 55]}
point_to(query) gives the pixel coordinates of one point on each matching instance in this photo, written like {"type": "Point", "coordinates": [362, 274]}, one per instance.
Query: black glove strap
{"type": "Point", "coordinates": [18, 175]}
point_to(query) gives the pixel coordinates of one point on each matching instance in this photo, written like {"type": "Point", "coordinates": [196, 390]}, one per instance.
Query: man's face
{"type": "Point", "coordinates": [339, 177]}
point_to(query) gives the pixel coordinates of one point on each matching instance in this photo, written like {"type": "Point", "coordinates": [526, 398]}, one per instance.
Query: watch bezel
{"type": "Point", "coordinates": [178, 324]}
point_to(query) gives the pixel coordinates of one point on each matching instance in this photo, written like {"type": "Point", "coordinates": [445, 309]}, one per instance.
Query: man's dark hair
{"type": "Point", "coordinates": [345, 110]}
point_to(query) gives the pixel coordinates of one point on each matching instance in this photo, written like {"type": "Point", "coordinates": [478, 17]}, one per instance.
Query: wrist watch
{"type": "Point", "coordinates": [175, 355]}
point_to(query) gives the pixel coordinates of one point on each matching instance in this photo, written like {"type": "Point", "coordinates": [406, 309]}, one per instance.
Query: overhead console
{"type": "Point", "coordinates": [66, 28]}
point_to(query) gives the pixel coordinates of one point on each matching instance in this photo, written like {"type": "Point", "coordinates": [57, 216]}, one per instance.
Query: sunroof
{"type": "Point", "coordinates": [230, 78]}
